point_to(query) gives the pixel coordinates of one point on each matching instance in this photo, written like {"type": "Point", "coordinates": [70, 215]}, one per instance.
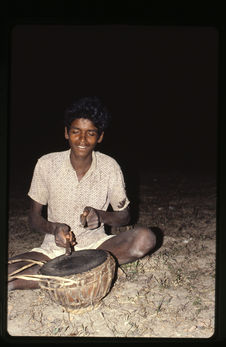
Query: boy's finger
{"type": "Point", "coordinates": [72, 238]}
{"type": "Point", "coordinates": [83, 217]}
{"type": "Point", "coordinates": [86, 211]}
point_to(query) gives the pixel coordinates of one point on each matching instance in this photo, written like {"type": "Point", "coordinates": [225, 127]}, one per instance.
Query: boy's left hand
{"type": "Point", "coordinates": [90, 218]}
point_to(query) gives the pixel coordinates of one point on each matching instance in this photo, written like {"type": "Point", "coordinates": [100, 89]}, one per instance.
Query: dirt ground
{"type": "Point", "coordinates": [170, 293]}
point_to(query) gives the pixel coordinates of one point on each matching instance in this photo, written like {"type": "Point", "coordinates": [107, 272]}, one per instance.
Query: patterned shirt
{"type": "Point", "coordinates": [55, 184]}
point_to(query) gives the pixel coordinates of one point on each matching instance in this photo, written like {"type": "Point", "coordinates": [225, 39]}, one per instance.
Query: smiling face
{"type": "Point", "coordinates": [83, 137]}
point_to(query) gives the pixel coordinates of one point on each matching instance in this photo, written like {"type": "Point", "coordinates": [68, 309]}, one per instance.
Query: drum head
{"type": "Point", "coordinates": [77, 262]}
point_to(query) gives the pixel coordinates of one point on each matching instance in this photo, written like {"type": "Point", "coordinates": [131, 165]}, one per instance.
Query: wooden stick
{"type": "Point", "coordinates": [32, 262]}
{"type": "Point", "coordinates": [43, 278]}
{"type": "Point", "coordinates": [12, 261]}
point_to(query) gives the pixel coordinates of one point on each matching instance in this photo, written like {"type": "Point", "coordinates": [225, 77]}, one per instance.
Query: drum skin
{"type": "Point", "coordinates": [81, 291]}
{"type": "Point", "coordinates": [77, 262]}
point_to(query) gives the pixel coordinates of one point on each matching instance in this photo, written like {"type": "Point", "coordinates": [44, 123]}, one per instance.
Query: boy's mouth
{"type": "Point", "coordinates": [82, 147]}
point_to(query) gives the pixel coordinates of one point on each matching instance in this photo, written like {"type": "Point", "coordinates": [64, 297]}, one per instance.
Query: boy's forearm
{"type": "Point", "coordinates": [40, 224]}
{"type": "Point", "coordinates": [116, 218]}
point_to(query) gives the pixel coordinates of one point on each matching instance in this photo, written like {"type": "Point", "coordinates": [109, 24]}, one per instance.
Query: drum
{"type": "Point", "coordinates": [79, 281]}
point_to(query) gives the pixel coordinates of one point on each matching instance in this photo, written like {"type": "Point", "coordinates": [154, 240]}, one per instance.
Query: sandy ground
{"type": "Point", "coordinates": [170, 293]}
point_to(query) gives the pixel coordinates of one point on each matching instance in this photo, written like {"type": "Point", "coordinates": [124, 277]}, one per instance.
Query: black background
{"type": "Point", "coordinates": [160, 84]}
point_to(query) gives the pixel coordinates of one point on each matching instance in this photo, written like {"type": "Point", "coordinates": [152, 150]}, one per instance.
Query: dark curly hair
{"type": "Point", "coordinates": [90, 108]}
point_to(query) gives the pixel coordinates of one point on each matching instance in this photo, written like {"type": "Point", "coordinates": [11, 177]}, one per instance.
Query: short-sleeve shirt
{"type": "Point", "coordinates": [55, 184]}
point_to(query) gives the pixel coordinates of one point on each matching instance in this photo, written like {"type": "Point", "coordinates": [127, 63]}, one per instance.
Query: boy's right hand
{"type": "Point", "coordinates": [62, 234]}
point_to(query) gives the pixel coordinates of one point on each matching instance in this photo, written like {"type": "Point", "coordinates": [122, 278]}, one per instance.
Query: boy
{"type": "Point", "coordinates": [78, 185]}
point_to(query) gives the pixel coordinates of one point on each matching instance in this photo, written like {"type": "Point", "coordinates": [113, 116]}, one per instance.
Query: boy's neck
{"type": "Point", "coordinates": [81, 164]}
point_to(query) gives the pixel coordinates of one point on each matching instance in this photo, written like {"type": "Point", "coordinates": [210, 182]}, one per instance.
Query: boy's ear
{"type": "Point", "coordinates": [101, 137]}
{"type": "Point", "coordinates": [66, 133]}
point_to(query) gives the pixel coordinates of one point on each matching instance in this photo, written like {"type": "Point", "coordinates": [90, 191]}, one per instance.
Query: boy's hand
{"type": "Point", "coordinates": [90, 218]}
{"type": "Point", "coordinates": [63, 235]}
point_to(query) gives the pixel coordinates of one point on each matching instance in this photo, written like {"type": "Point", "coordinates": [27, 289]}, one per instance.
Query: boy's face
{"type": "Point", "coordinates": [83, 137]}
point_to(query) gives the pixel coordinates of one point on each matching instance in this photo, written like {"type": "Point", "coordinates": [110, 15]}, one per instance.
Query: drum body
{"type": "Point", "coordinates": [79, 291]}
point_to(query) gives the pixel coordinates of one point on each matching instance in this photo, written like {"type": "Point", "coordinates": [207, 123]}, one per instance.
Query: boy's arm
{"type": "Point", "coordinates": [38, 223]}
{"type": "Point", "coordinates": [91, 217]}
{"type": "Point", "coordinates": [115, 218]}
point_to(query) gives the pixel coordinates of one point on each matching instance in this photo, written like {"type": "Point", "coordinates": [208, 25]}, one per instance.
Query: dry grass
{"type": "Point", "coordinates": [168, 294]}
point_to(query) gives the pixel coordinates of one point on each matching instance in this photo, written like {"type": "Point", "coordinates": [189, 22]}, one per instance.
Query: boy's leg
{"type": "Point", "coordinates": [131, 245]}
{"type": "Point", "coordinates": [33, 270]}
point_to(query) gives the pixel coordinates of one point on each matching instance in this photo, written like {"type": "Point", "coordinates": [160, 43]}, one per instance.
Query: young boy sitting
{"type": "Point", "coordinates": [78, 185]}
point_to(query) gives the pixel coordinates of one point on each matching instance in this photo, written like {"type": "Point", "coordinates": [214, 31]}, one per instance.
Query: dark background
{"type": "Point", "coordinates": [159, 83]}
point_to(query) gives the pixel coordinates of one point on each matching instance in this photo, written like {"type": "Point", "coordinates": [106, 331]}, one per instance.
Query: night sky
{"type": "Point", "coordinates": [159, 83]}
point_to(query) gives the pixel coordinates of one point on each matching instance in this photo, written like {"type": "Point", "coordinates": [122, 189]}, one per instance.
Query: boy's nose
{"type": "Point", "coordinates": [82, 138]}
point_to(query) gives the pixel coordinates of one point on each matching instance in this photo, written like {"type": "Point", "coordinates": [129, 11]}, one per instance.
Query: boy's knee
{"type": "Point", "coordinates": [146, 237]}
{"type": "Point", "coordinates": [144, 242]}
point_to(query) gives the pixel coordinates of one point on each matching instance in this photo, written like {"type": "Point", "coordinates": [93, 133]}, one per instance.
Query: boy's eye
{"type": "Point", "coordinates": [75, 131]}
{"type": "Point", "coordinates": [92, 133]}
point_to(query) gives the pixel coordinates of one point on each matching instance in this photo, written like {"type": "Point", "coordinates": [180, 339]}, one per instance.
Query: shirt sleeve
{"type": "Point", "coordinates": [38, 190]}
{"type": "Point", "coordinates": [117, 192]}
